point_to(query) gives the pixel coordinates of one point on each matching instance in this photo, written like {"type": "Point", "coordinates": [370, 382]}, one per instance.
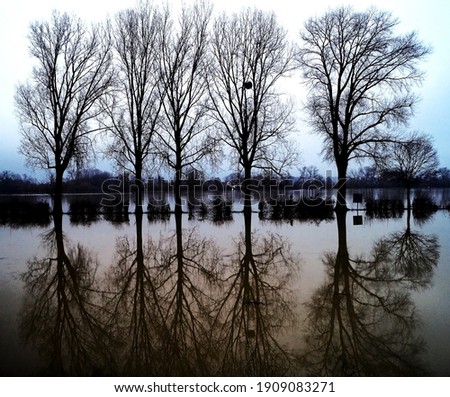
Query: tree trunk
{"type": "Point", "coordinates": [177, 189]}
{"type": "Point", "coordinates": [341, 185]}
{"type": "Point", "coordinates": [57, 193]}
{"type": "Point", "coordinates": [139, 186]}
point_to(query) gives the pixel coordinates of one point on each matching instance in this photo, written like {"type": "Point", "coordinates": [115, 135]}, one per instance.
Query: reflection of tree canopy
{"type": "Point", "coordinates": [413, 255]}
{"type": "Point", "coordinates": [178, 310]}
{"type": "Point", "coordinates": [255, 306]}
{"type": "Point", "coordinates": [60, 314]}
{"type": "Point", "coordinates": [362, 321]}
{"type": "Point", "coordinates": [187, 266]}
{"type": "Point", "coordinates": [160, 302]}
{"type": "Point", "coordinates": [133, 306]}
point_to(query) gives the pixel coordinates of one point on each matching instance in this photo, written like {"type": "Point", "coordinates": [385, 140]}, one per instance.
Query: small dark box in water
{"type": "Point", "coordinates": [357, 197]}
{"type": "Point", "coordinates": [357, 220]}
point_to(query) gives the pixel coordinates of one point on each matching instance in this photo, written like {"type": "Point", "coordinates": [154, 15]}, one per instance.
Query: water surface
{"type": "Point", "coordinates": [240, 296]}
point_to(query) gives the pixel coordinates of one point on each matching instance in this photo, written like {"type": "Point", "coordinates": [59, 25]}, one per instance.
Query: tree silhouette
{"type": "Point", "coordinates": [183, 138]}
{"type": "Point", "coordinates": [249, 55]}
{"type": "Point", "coordinates": [414, 254]}
{"type": "Point", "coordinates": [57, 107]}
{"type": "Point", "coordinates": [133, 108]}
{"type": "Point", "coordinates": [360, 76]}
{"type": "Point", "coordinates": [408, 160]}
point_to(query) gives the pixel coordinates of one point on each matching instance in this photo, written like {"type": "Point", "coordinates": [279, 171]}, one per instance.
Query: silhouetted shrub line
{"type": "Point", "coordinates": [288, 209]}
{"type": "Point", "coordinates": [24, 212]}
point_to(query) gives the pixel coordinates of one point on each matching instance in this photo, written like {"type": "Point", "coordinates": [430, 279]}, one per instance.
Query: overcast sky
{"type": "Point", "coordinates": [429, 18]}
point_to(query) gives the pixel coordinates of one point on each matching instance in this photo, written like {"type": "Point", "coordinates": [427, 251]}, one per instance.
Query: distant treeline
{"type": "Point", "coordinates": [93, 180]}
{"type": "Point", "coordinates": [370, 178]}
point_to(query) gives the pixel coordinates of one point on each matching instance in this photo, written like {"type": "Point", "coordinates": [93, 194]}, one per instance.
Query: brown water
{"type": "Point", "coordinates": [239, 297]}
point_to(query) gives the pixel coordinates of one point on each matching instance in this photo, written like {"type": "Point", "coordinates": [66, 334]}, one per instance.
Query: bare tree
{"type": "Point", "coordinates": [360, 74]}
{"type": "Point", "coordinates": [250, 54]}
{"type": "Point", "coordinates": [183, 139]}
{"type": "Point", "coordinates": [134, 107]}
{"type": "Point", "coordinates": [57, 106]}
{"type": "Point", "coordinates": [409, 160]}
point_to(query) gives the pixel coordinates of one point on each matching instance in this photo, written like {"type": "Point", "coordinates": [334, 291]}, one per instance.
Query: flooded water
{"type": "Point", "coordinates": [240, 295]}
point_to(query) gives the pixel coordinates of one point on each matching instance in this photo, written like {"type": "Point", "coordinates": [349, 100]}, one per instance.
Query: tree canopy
{"type": "Point", "coordinates": [360, 75]}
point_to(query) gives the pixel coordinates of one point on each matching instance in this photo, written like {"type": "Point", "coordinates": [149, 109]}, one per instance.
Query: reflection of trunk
{"type": "Point", "coordinates": [343, 314]}
{"type": "Point", "coordinates": [188, 264]}
{"type": "Point", "coordinates": [63, 262]}
{"type": "Point", "coordinates": [251, 299]}
{"type": "Point", "coordinates": [180, 263]}
{"type": "Point", "coordinates": [249, 269]}
{"type": "Point", "coordinates": [145, 318]}
{"type": "Point", "coordinates": [140, 269]}
{"type": "Point", "coordinates": [362, 321]}
{"type": "Point", "coordinates": [253, 308]}
{"type": "Point", "coordinates": [408, 223]}
{"type": "Point", "coordinates": [58, 363]}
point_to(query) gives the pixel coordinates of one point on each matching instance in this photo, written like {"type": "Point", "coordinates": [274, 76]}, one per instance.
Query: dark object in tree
{"type": "Point", "coordinates": [360, 75]}
{"type": "Point", "coordinates": [248, 85]}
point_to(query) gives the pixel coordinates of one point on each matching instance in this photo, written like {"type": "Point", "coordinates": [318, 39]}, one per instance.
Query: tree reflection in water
{"type": "Point", "coordinates": [61, 316]}
{"type": "Point", "coordinates": [179, 309]}
{"type": "Point", "coordinates": [414, 255]}
{"type": "Point", "coordinates": [175, 305]}
{"type": "Point", "coordinates": [160, 302]}
{"type": "Point", "coordinates": [133, 306]}
{"type": "Point", "coordinates": [362, 321]}
{"type": "Point", "coordinates": [255, 306]}
{"type": "Point", "coordinates": [188, 267]}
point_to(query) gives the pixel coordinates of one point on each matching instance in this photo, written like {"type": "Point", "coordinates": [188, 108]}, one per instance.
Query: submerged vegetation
{"type": "Point", "coordinates": [29, 211]}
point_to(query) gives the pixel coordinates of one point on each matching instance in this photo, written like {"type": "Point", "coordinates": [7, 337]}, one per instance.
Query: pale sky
{"type": "Point", "coordinates": [429, 18]}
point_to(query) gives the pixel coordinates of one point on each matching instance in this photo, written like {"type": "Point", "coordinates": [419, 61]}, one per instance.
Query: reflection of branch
{"type": "Point", "coordinates": [136, 318]}
{"type": "Point", "coordinates": [61, 314]}
{"type": "Point", "coordinates": [160, 305]}
{"type": "Point", "coordinates": [414, 255]}
{"type": "Point", "coordinates": [362, 321]}
{"type": "Point", "coordinates": [187, 266]}
{"type": "Point", "coordinates": [255, 307]}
